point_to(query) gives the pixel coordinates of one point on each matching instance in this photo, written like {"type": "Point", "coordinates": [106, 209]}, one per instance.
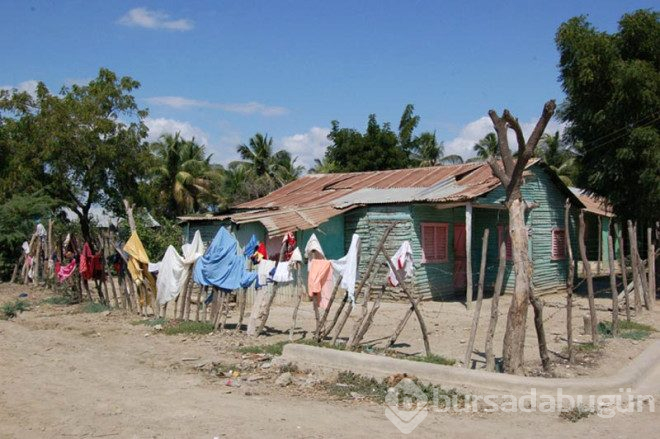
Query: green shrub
{"type": "Point", "coordinates": [627, 329]}
{"type": "Point", "coordinates": [12, 309]}
{"type": "Point", "coordinates": [59, 300]}
{"type": "Point", "coordinates": [151, 322]}
{"type": "Point", "coordinates": [576, 413]}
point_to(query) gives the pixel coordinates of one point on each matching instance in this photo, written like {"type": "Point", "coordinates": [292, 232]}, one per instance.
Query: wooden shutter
{"type": "Point", "coordinates": [558, 244]}
{"type": "Point", "coordinates": [435, 242]}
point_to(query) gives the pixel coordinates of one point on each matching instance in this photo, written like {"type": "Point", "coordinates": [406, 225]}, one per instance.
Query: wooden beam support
{"type": "Point", "coordinates": [468, 255]}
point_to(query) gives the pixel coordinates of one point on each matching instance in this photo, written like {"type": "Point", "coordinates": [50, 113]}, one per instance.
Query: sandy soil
{"type": "Point", "coordinates": [64, 373]}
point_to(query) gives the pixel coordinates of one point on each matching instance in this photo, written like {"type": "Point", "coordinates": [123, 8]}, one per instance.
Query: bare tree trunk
{"type": "Point", "coordinates": [514, 338]}
{"type": "Point", "coordinates": [129, 214]}
{"type": "Point", "coordinates": [480, 297]}
{"type": "Point", "coordinates": [199, 305]}
{"type": "Point", "coordinates": [600, 245]}
{"type": "Point", "coordinates": [241, 298]}
{"type": "Point", "coordinates": [537, 304]}
{"type": "Point", "coordinates": [37, 263]}
{"type": "Point", "coordinates": [651, 263]}
{"type": "Point", "coordinates": [494, 308]}
{"type": "Point", "coordinates": [590, 282]}
{"type": "Point", "coordinates": [624, 273]}
{"type": "Point", "coordinates": [615, 292]}
{"type": "Point", "coordinates": [635, 269]}
{"type": "Point", "coordinates": [569, 280]}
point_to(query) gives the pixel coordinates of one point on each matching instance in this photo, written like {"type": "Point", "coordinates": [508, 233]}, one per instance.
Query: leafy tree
{"type": "Point", "coordinates": [18, 217]}
{"type": "Point", "coordinates": [487, 147]}
{"type": "Point", "coordinates": [612, 86]}
{"type": "Point", "coordinates": [183, 173]}
{"type": "Point", "coordinates": [377, 149]}
{"type": "Point", "coordinates": [407, 125]}
{"type": "Point", "coordinates": [84, 145]}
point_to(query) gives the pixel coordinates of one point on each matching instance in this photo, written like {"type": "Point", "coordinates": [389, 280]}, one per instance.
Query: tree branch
{"type": "Point", "coordinates": [512, 123]}
{"type": "Point", "coordinates": [502, 140]}
{"type": "Point", "coordinates": [498, 171]}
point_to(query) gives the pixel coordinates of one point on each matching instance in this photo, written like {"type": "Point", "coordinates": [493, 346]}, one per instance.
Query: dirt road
{"type": "Point", "coordinates": [70, 374]}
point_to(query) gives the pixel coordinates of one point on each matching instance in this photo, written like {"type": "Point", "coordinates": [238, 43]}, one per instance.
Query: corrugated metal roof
{"type": "Point", "coordinates": [284, 220]}
{"type": "Point", "coordinates": [319, 189]}
{"type": "Point", "coordinates": [593, 204]}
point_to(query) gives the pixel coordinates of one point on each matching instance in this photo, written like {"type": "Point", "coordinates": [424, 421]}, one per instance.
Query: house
{"type": "Point", "coordinates": [441, 210]}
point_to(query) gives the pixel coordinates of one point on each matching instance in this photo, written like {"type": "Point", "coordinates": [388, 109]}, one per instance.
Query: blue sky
{"type": "Point", "coordinates": [222, 71]}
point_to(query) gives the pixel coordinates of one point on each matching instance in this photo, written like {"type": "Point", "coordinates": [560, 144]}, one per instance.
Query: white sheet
{"type": "Point", "coordinates": [348, 267]}
{"type": "Point", "coordinates": [403, 261]}
{"type": "Point", "coordinates": [283, 273]}
{"type": "Point", "coordinates": [265, 267]}
{"type": "Point", "coordinates": [174, 270]}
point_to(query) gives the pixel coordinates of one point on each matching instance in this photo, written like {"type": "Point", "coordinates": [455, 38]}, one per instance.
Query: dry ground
{"type": "Point", "coordinates": [64, 373]}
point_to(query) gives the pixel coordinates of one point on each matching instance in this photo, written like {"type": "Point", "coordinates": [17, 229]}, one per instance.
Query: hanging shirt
{"type": "Point", "coordinates": [138, 262]}
{"type": "Point", "coordinates": [403, 261]}
{"type": "Point", "coordinates": [320, 281]}
{"type": "Point", "coordinates": [263, 272]}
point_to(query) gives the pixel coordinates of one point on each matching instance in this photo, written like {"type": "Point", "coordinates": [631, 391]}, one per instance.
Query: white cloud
{"type": "Point", "coordinates": [151, 19]}
{"type": "Point", "coordinates": [241, 108]}
{"type": "Point", "coordinates": [29, 86]}
{"type": "Point", "coordinates": [307, 146]}
{"type": "Point", "coordinates": [160, 126]}
{"type": "Point", "coordinates": [477, 129]}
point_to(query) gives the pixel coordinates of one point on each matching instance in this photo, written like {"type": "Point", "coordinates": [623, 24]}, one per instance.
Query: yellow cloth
{"type": "Point", "coordinates": [138, 262]}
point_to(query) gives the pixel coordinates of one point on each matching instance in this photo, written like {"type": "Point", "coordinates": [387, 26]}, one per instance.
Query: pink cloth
{"type": "Point", "coordinates": [64, 271]}
{"type": "Point", "coordinates": [319, 280]}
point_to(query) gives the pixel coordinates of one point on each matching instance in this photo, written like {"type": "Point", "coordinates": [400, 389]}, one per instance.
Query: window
{"type": "Point", "coordinates": [558, 244]}
{"type": "Point", "coordinates": [503, 234]}
{"type": "Point", "coordinates": [435, 237]}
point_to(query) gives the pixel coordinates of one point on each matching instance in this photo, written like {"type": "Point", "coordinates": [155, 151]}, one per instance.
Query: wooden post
{"type": "Point", "coordinates": [480, 296]}
{"type": "Point", "coordinates": [590, 283]}
{"type": "Point", "coordinates": [363, 279]}
{"type": "Point", "coordinates": [199, 305]}
{"type": "Point", "coordinates": [370, 317]}
{"type": "Point", "coordinates": [298, 295]}
{"type": "Point", "coordinates": [569, 280]}
{"type": "Point", "coordinates": [615, 293]}
{"type": "Point", "coordinates": [219, 309]}
{"type": "Point", "coordinates": [358, 324]}
{"type": "Point", "coordinates": [600, 245]}
{"type": "Point", "coordinates": [402, 324]}
{"type": "Point", "coordinates": [264, 312]}
{"type": "Point", "coordinates": [624, 273]}
{"type": "Point", "coordinates": [635, 269]}
{"type": "Point", "coordinates": [468, 254]}
{"type": "Point", "coordinates": [651, 263]}
{"type": "Point", "coordinates": [36, 263]}
{"type": "Point", "coordinates": [320, 328]}
{"type": "Point", "coordinates": [241, 298]}
{"type": "Point", "coordinates": [494, 308]}
{"type": "Point", "coordinates": [414, 303]}
{"type": "Point", "coordinates": [49, 254]}
{"type": "Point", "coordinates": [642, 276]}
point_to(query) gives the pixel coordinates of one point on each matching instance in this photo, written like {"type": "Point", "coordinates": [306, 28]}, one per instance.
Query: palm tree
{"type": "Point", "coordinates": [181, 172]}
{"type": "Point", "coordinates": [558, 158]}
{"type": "Point", "coordinates": [429, 152]}
{"type": "Point", "coordinates": [487, 147]}
{"type": "Point", "coordinates": [323, 166]}
{"type": "Point", "coordinates": [258, 153]}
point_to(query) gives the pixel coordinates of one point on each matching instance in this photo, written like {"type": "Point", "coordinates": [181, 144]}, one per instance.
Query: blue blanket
{"type": "Point", "coordinates": [222, 266]}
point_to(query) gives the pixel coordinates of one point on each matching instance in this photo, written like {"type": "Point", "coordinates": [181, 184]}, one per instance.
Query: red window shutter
{"type": "Point", "coordinates": [441, 242]}
{"type": "Point", "coordinates": [558, 244]}
{"type": "Point", "coordinates": [428, 242]}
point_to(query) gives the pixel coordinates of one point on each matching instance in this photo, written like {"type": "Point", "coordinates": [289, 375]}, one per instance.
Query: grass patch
{"type": "Point", "coordinates": [349, 383]}
{"type": "Point", "coordinates": [59, 300]}
{"type": "Point", "coordinates": [576, 413]}
{"type": "Point", "coordinates": [629, 330]}
{"type": "Point", "coordinates": [433, 358]}
{"type": "Point", "coordinates": [174, 328]}
{"type": "Point", "coordinates": [271, 349]}
{"type": "Point", "coordinates": [367, 349]}
{"type": "Point", "coordinates": [150, 322]}
{"type": "Point", "coordinates": [586, 347]}
{"type": "Point", "coordinates": [12, 309]}
{"type": "Point", "coordinates": [94, 307]}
